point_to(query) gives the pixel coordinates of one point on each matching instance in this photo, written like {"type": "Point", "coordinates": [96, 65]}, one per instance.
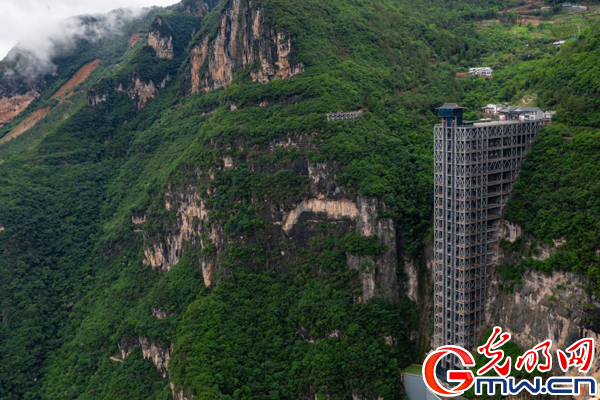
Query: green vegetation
{"type": "Point", "coordinates": [281, 319]}
{"type": "Point", "coordinates": [113, 50]}
{"type": "Point", "coordinates": [511, 350]}
{"type": "Point", "coordinates": [414, 369]}
{"type": "Point", "coordinates": [312, 338]}
{"type": "Point", "coordinates": [556, 197]}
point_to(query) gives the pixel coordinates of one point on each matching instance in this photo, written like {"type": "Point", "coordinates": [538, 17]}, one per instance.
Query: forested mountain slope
{"type": "Point", "coordinates": [188, 224]}
{"type": "Point", "coordinates": [557, 195]}
{"type": "Point", "coordinates": [546, 283]}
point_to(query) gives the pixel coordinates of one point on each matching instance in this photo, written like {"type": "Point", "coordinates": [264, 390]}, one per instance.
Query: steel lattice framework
{"type": "Point", "coordinates": [475, 169]}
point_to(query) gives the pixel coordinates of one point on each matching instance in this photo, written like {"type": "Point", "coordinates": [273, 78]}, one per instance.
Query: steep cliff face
{"type": "Point", "coordinates": [180, 394]}
{"type": "Point", "coordinates": [160, 38]}
{"type": "Point", "coordinates": [378, 274]}
{"type": "Point", "coordinates": [191, 216]}
{"type": "Point", "coordinates": [156, 354]}
{"type": "Point", "coordinates": [544, 307]}
{"type": "Point", "coordinates": [151, 351]}
{"type": "Point", "coordinates": [191, 228]}
{"type": "Point", "coordinates": [417, 283]}
{"type": "Point", "coordinates": [289, 225]}
{"type": "Point", "coordinates": [138, 91]}
{"type": "Point", "coordinates": [150, 68]}
{"type": "Point", "coordinates": [223, 224]}
{"type": "Point", "coordinates": [379, 278]}
{"type": "Point", "coordinates": [541, 306]}
{"type": "Point", "coordinates": [97, 98]}
{"type": "Point", "coordinates": [242, 39]}
{"type": "Point", "coordinates": [12, 106]}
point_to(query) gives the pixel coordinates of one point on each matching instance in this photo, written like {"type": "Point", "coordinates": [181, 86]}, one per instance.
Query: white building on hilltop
{"type": "Point", "coordinates": [481, 71]}
{"type": "Point", "coordinates": [505, 113]}
{"type": "Point", "coordinates": [493, 110]}
{"type": "Point", "coordinates": [522, 114]}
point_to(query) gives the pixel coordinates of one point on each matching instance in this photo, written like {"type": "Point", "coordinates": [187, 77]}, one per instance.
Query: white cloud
{"type": "Point", "coordinates": [29, 21]}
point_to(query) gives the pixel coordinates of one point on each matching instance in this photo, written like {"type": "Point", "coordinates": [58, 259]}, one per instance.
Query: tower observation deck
{"type": "Point", "coordinates": [476, 165]}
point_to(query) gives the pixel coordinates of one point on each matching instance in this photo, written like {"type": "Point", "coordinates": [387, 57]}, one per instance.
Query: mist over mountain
{"type": "Point", "coordinates": [234, 199]}
{"type": "Point", "coordinates": [23, 17]}
{"type": "Point", "coordinates": [32, 57]}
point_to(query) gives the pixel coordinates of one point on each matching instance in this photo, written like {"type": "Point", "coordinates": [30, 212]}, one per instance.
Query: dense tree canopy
{"type": "Point", "coordinates": [72, 278]}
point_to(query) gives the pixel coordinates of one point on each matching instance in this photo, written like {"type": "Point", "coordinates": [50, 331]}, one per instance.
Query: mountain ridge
{"type": "Point", "coordinates": [229, 242]}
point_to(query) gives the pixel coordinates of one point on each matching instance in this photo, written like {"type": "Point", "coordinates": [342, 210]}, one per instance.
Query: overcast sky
{"type": "Point", "coordinates": [20, 18]}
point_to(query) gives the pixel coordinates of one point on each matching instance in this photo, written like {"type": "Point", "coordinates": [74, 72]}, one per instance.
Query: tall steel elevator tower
{"type": "Point", "coordinates": [476, 165]}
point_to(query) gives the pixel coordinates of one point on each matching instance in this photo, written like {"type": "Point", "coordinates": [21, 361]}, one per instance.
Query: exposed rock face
{"type": "Point", "coordinates": [334, 209]}
{"type": "Point", "coordinates": [158, 355]}
{"type": "Point", "coordinates": [208, 269]}
{"type": "Point", "coordinates": [197, 58]}
{"type": "Point", "coordinates": [162, 45]}
{"type": "Point", "coordinates": [541, 306]}
{"type": "Point", "coordinates": [138, 222]}
{"type": "Point", "coordinates": [228, 162]}
{"type": "Point", "coordinates": [141, 92]}
{"type": "Point", "coordinates": [161, 40]}
{"type": "Point", "coordinates": [137, 90]}
{"type": "Point", "coordinates": [378, 274]}
{"type": "Point", "coordinates": [418, 284]}
{"type": "Point", "coordinates": [511, 232]}
{"type": "Point", "coordinates": [154, 353]}
{"type": "Point", "coordinates": [412, 280]}
{"type": "Point", "coordinates": [380, 279]}
{"type": "Point", "coordinates": [290, 226]}
{"type": "Point", "coordinates": [10, 107]}
{"type": "Point", "coordinates": [540, 252]}
{"type": "Point", "coordinates": [191, 215]}
{"type": "Point", "coordinates": [151, 351]}
{"type": "Point", "coordinates": [543, 252]}
{"type": "Point", "coordinates": [95, 99]}
{"type": "Point", "coordinates": [181, 394]}
{"type": "Point", "coordinates": [241, 41]}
